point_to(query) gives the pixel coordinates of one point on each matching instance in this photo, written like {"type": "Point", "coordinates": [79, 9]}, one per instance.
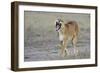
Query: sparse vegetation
{"type": "Point", "coordinates": [41, 39]}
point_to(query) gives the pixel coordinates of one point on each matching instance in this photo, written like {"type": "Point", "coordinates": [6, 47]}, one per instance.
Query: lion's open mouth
{"type": "Point", "coordinates": [58, 26]}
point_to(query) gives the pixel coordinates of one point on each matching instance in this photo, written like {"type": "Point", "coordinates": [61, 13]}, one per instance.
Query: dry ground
{"type": "Point", "coordinates": [41, 39]}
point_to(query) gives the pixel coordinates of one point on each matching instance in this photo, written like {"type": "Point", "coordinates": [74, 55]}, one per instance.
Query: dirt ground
{"type": "Point", "coordinates": [41, 39]}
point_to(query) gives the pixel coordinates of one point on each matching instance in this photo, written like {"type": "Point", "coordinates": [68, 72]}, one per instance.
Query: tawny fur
{"type": "Point", "coordinates": [68, 30]}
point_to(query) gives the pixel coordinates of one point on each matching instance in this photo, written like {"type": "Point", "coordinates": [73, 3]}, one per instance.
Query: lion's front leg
{"type": "Point", "coordinates": [64, 49]}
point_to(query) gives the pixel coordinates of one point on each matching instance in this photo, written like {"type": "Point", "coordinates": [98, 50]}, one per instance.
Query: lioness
{"type": "Point", "coordinates": [66, 31]}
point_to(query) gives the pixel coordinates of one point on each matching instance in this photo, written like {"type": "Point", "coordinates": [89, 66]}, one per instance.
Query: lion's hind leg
{"type": "Point", "coordinates": [74, 42]}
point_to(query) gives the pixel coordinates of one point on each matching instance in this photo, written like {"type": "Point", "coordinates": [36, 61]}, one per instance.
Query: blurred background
{"type": "Point", "coordinates": [41, 38]}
